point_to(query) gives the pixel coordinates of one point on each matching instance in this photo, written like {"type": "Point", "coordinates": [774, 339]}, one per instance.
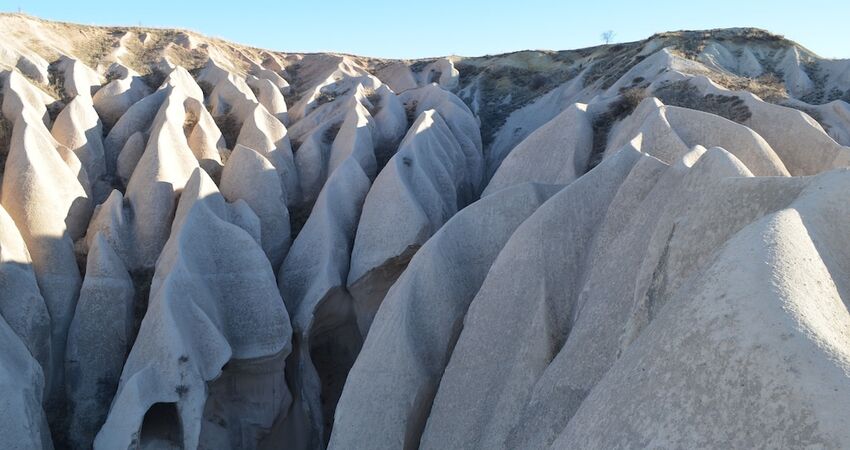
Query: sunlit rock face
{"type": "Point", "coordinates": [207, 245]}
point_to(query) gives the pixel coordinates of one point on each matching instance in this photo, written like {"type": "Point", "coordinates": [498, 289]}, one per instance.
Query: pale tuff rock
{"type": "Point", "coordinates": [78, 128]}
{"type": "Point", "coordinates": [213, 300]}
{"type": "Point", "coordinates": [354, 140]}
{"type": "Point", "coordinates": [761, 275]}
{"type": "Point", "coordinates": [270, 97]}
{"type": "Point", "coordinates": [138, 118]}
{"type": "Point", "coordinates": [522, 122]}
{"type": "Point", "coordinates": [265, 134]}
{"type": "Point", "coordinates": [397, 76]}
{"type": "Point", "coordinates": [21, 303]}
{"type": "Point", "coordinates": [411, 339]}
{"type": "Point", "coordinates": [78, 79]}
{"type": "Point", "coordinates": [22, 423]}
{"type": "Point", "coordinates": [161, 173]}
{"type": "Point", "coordinates": [249, 176]}
{"type": "Point", "coordinates": [463, 126]}
{"type": "Point", "coordinates": [330, 144]}
{"type": "Point", "coordinates": [271, 74]}
{"type": "Point", "coordinates": [442, 72]}
{"type": "Point", "coordinates": [313, 284]}
{"type": "Point", "coordinates": [231, 96]}
{"type": "Point", "coordinates": [204, 137]}
{"type": "Point", "coordinates": [532, 306]}
{"type": "Point", "coordinates": [424, 185]}
{"type": "Point", "coordinates": [556, 153]}
{"type": "Point", "coordinates": [787, 130]}
{"type": "Point", "coordinates": [51, 209]}
{"type": "Point", "coordinates": [180, 78]}
{"type": "Point", "coordinates": [93, 364]}
{"type": "Point", "coordinates": [621, 245]}
{"type": "Point", "coordinates": [20, 98]}
{"type": "Point", "coordinates": [642, 272]}
{"type": "Point", "coordinates": [390, 120]}
{"type": "Point", "coordinates": [664, 128]}
{"type": "Point", "coordinates": [129, 157]}
{"type": "Point", "coordinates": [116, 97]}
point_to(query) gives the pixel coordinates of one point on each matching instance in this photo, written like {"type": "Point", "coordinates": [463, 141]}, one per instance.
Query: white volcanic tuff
{"type": "Point", "coordinates": [798, 140]}
{"type": "Point", "coordinates": [98, 340]}
{"type": "Point", "coordinates": [331, 143]}
{"type": "Point", "coordinates": [397, 76]}
{"type": "Point", "coordinates": [21, 303]}
{"type": "Point", "coordinates": [231, 95]}
{"type": "Point", "coordinates": [834, 116]}
{"type": "Point", "coordinates": [270, 97]}
{"type": "Point", "coordinates": [442, 72]}
{"type": "Point", "coordinates": [774, 271]}
{"type": "Point", "coordinates": [421, 187]}
{"type": "Point", "coordinates": [273, 74]}
{"type": "Point", "coordinates": [332, 110]}
{"type": "Point", "coordinates": [355, 139]}
{"type": "Point", "coordinates": [205, 139]}
{"type": "Point", "coordinates": [20, 95]}
{"type": "Point", "coordinates": [78, 128]}
{"type": "Point", "coordinates": [51, 209]}
{"type": "Point", "coordinates": [140, 116]}
{"type": "Point", "coordinates": [180, 77]}
{"type": "Point", "coordinates": [249, 176]}
{"type": "Point", "coordinates": [529, 291]}
{"type": "Point", "coordinates": [161, 173]}
{"type": "Point", "coordinates": [129, 157]}
{"type": "Point", "coordinates": [262, 132]}
{"type": "Point", "coordinates": [213, 299]}
{"type": "Point", "coordinates": [522, 122]}
{"type": "Point", "coordinates": [313, 284]}
{"type": "Point", "coordinates": [650, 199]}
{"type": "Point", "coordinates": [463, 125]}
{"type": "Point", "coordinates": [22, 421]}
{"type": "Point", "coordinates": [556, 153]}
{"type": "Point", "coordinates": [328, 75]}
{"type": "Point", "coordinates": [412, 336]}
{"type": "Point", "coordinates": [116, 97]}
{"type": "Point", "coordinates": [667, 132]}
{"type": "Point", "coordinates": [137, 118]}
{"type": "Point", "coordinates": [386, 109]}
{"type": "Point", "coordinates": [77, 78]}
{"type": "Point", "coordinates": [390, 119]}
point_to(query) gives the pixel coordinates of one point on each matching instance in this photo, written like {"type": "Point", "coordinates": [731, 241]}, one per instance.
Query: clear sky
{"type": "Point", "coordinates": [419, 29]}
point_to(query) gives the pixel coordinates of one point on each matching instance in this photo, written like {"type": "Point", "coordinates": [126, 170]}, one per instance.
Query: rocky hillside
{"type": "Point", "coordinates": [207, 245]}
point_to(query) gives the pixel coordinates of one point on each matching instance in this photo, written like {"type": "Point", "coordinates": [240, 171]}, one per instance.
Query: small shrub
{"type": "Point", "coordinates": [375, 99]}
{"type": "Point", "coordinates": [56, 83]}
{"type": "Point", "coordinates": [769, 87]}
{"type": "Point", "coordinates": [619, 109]}
{"type": "Point", "coordinates": [537, 82]}
{"type": "Point", "coordinates": [410, 112]}
{"type": "Point", "coordinates": [154, 78]}
{"type": "Point", "coordinates": [325, 97]}
{"type": "Point", "coordinates": [229, 127]}
{"type": "Point", "coordinates": [5, 139]}
{"type": "Point", "coordinates": [189, 123]}
{"type": "Point", "coordinates": [684, 94]}
{"type": "Point", "coordinates": [330, 133]}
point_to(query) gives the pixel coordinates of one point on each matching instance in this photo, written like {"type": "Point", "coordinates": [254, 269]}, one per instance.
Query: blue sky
{"type": "Point", "coordinates": [464, 27]}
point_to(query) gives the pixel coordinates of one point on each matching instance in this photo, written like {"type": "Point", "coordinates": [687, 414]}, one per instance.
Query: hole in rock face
{"type": "Point", "coordinates": [161, 427]}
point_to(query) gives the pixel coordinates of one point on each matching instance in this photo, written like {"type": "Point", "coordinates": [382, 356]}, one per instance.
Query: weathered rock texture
{"type": "Point", "coordinates": [207, 245]}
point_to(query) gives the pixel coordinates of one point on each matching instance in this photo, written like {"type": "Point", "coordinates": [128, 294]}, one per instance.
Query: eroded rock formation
{"type": "Point", "coordinates": [207, 245]}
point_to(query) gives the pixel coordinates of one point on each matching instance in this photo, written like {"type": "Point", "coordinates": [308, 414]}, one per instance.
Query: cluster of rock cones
{"type": "Point", "coordinates": [204, 245]}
